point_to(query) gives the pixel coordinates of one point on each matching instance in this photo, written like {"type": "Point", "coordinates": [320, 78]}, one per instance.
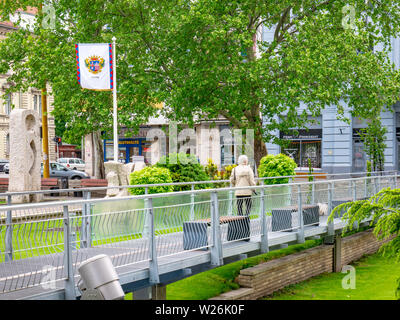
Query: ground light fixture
{"type": "Point", "coordinates": [99, 280]}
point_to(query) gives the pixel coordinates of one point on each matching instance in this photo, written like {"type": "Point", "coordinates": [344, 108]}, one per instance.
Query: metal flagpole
{"type": "Point", "coordinates": [115, 102]}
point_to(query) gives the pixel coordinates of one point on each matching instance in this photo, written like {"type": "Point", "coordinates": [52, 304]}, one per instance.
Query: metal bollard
{"type": "Point", "coordinates": [216, 249]}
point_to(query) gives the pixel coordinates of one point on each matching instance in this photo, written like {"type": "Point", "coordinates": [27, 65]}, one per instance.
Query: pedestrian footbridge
{"type": "Point", "coordinates": [156, 239]}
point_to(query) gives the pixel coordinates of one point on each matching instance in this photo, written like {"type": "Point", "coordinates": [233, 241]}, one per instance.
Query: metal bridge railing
{"type": "Point", "coordinates": [49, 240]}
{"type": "Point", "coordinates": [212, 183]}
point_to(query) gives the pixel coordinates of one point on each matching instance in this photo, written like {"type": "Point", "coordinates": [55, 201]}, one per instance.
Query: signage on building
{"type": "Point", "coordinates": [303, 134]}
{"type": "Point", "coordinates": [123, 142]}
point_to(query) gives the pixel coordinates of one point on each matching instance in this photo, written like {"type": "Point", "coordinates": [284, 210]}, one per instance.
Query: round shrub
{"type": "Point", "coordinates": [184, 168]}
{"type": "Point", "coordinates": [276, 166]}
{"type": "Point", "coordinates": [151, 175]}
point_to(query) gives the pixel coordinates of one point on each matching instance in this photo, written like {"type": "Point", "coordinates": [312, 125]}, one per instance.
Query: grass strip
{"type": "Point", "coordinates": [375, 279]}
{"type": "Point", "coordinates": [214, 282]}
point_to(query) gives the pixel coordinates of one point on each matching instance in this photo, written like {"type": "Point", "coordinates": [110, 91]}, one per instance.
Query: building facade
{"type": "Point", "coordinates": [334, 146]}
{"type": "Point", "coordinates": [206, 141]}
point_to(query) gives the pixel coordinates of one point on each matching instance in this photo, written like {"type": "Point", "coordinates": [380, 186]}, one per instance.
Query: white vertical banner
{"type": "Point", "coordinates": [97, 71]}
{"type": "Point", "coordinates": [95, 66]}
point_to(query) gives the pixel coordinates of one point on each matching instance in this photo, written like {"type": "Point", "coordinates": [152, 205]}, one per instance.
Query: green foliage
{"type": "Point", "coordinates": [215, 174]}
{"type": "Point", "coordinates": [276, 166]}
{"type": "Point", "coordinates": [373, 137]}
{"type": "Point", "coordinates": [228, 171]}
{"type": "Point", "coordinates": [369, 168]}
{"type": "Point", "coordinates": [310, 171]}
{"type": "Point", "coordinates": [184, 168]}
{"type": "Point", "coordinates": [211, 169]}
{"type": "Point", "coordinates": [150, 175]}
{"type": "Point", "coordinates": [398, 289]}
{"type": "Point", "coordinates": [186, 54]}
{"type": "Point", "coordinates": [384, 211]}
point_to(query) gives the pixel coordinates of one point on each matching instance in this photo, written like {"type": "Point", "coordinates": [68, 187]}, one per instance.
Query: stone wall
{"type": "Point", "coordinates": [357, 245]}
{"type": "Point", "coordinates": [271, 276]}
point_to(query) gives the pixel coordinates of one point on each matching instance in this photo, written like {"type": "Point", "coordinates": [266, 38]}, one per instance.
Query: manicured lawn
{"type": "Point", "coordinates": [375, 280]}
{"type": "Point", "coordinates": [214, 282]}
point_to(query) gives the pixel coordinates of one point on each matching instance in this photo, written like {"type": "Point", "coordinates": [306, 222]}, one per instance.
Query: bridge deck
{"type": "Point", "coordinates": [128, 270]}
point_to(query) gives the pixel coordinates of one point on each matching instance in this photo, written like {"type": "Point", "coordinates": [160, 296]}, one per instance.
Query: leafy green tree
{"type": "Point", "coordinates": [384, 211]}
{"type": "Point", "coordinates": [202, 59]}
{"type": "Point", "coordinates": [373, 137]}
{"type": "Point", "coordinates": [46, 54]}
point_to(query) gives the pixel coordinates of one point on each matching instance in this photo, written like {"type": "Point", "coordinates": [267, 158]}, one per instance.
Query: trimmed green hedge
{"type": "Point", "coordinates": [150, 175]}
{"type": "Point", "coordinates": [184, 168]}
{"type": "Point", "coordinates": [275, 166]}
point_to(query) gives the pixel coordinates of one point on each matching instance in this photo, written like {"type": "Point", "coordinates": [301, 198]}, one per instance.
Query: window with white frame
{"type": "Point", "coordinates": [37, 104]}
{"type": "Point", "coordinates": [7, 104]}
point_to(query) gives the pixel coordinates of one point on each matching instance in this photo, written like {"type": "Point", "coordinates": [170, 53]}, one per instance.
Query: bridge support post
{"type": "Point", "coordinates": [300, 233]}
{"type": "Point", "coordinates": [264, 247]}
{"type": "Point", "coordinates": [313, 191]}
{"type": "Point", "coordinates": [9, 233]}
{"type": "Point", "coordinates": [69, 273]}
{"type": "Point", "coordinates": [354, 197]}
{"type": "Point", "coordinates": [153, 265]}
{"type": "Point", "coordinates": [146, 227]}
{"type": "Point", "coordinates": [291, 190]}
{"type": "Point", "coordinates": [192, 197]}
{"type": "Point", "coordinates": [86, 232]}
{"type": "Point", "coordinates": [216, 248]}
{"type": "Point", "coordinates": [159, 292]}
{"type": "Point", "coordinates": [230, 203]}
{"type": "Point", "coordinates": [331, 230]}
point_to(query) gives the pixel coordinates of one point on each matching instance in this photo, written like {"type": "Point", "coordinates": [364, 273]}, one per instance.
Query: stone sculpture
{"type": "Point", "coordinates": [25, 154]}
{"type": "Point", "coordinates": [117, 174]}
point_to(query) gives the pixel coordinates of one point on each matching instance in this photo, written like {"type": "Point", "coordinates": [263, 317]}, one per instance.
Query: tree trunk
{"type": "Point", "coordinates": [260, 150]}
{"type": "Point", "coordinates": [99, 170]}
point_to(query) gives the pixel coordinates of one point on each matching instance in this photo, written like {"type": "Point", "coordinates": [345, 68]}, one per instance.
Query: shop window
{"type": "Point", "coordinates": [302, 150]}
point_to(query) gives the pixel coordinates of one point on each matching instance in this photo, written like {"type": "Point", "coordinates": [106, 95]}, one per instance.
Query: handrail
{"type": "Point", "coordinates": [192, 183]}
{"type": "Point", "coordinates": [169, 194]}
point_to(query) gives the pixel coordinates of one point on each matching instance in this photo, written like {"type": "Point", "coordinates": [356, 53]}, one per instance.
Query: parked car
{"type": "Point", "coordinates": [73, 163]}
{"type": "Point", "coordinates": [2, 163]}
{"type": "Point", "coordinates": [58, 170]}
{"type": "Point", "coordinates": [6, 168]}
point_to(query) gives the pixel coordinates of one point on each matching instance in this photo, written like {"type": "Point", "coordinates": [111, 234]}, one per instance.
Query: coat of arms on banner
{"type": "Point", "coordinates": [94, 64]}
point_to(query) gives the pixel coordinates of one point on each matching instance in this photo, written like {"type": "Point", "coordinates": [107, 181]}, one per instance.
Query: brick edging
{"type": "Point", "coordinates": [268, 277]}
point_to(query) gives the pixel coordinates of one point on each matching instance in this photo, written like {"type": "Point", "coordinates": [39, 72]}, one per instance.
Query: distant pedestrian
{"type": "Point", "coordinates": [243, 176]}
